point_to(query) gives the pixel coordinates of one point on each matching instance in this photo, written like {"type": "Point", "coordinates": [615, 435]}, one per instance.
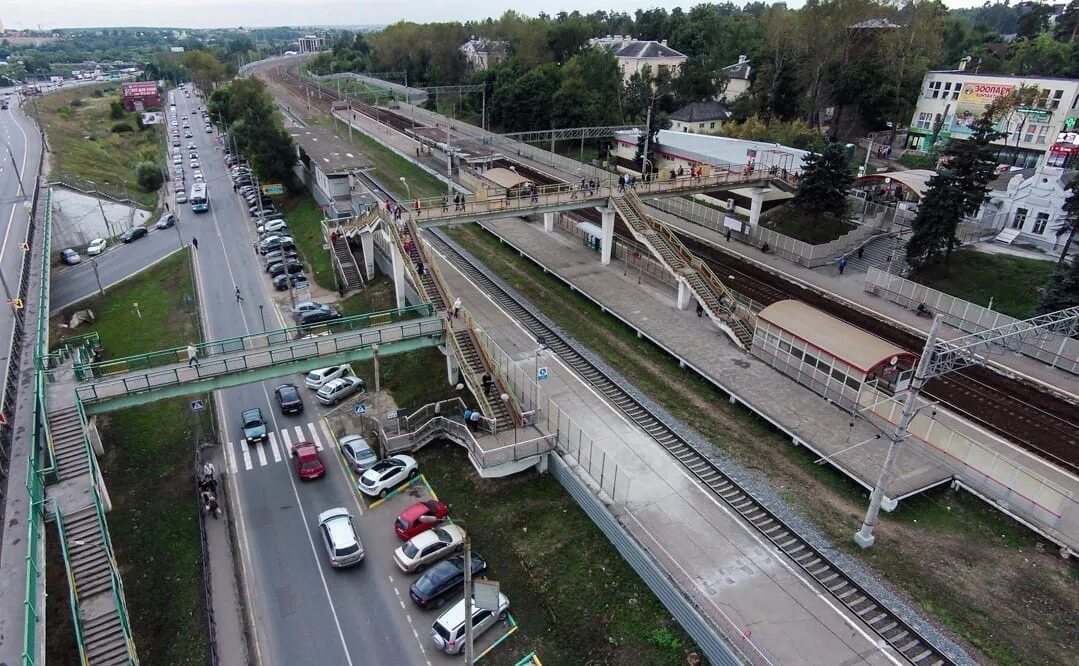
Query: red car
{"type": "Point", "coordinates": [308, 463]}
{"type": "Point", "coordinates": [420, 517]}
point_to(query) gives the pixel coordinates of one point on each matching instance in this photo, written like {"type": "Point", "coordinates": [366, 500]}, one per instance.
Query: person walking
{"type": "Point", "coordinates": [445, 204]}
{"type": "Point", "coordinates": [192, 355]}
{"type": "Point", "coordinates": [467, 417]}
{"type": "Point", "coordinates": [212, 507]}
{"type": "Point", "coordinates": [194, 242]}
{"type": "Point", "coordinates": [700, 309]}
{"type": "Point", "coordinates": [457, 308]}
{"type": "Point", "coordinates": [208, 470]}
{"type": "Point", "coordinates": [238, 296]}
{"type": "Point", "coordinates": [487, 383]}
{"type": "Point", "coordinates": [842, 264]}
{"type": "Point", "coordinates": [474, 419]}
{"type": "Point", "coordinates": [420, 270]}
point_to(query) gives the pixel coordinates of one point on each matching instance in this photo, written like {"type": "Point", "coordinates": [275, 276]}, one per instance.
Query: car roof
{"type": "Point", "coordinates": [339, 523]}
{"type": "Point", "coordinates": [305, 450]}
{"type": "Point", "coordinates": [417, 509]}
{"type": "Point", "coordinates": [454, 616]}
{"type": "Point", "coordinates": [355, 441]}
{"type": "Point", "coordinates": [251, 413]}
{"type": "Point", "coordinates": [424, 539]}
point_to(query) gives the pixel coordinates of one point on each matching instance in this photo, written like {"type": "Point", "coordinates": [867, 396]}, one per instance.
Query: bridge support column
{"type": "Point", "coordinates": [685, 295]}
{"type": "Point", "coordinates": [398, 274]}
{"type": "Point", "coordinates": [367, 240]}
{"type": "Point", "coordinates": [606, 243]}
{"type": "Point", "coordinates": [452, 366]}
{"type": "Point", "coordinates": [548, 222]}
{"type": "Point", "coordinates": [756, 204]}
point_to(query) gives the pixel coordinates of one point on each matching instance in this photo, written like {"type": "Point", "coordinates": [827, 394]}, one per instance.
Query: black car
{"type": "Point", "coordinates": [286, 266]}
{"type": "Point", "coordinates": [431, 589]}
{"type": "Point", "coordinates": [132, 234]}
{"type": "Point", "coordinates": [288, 399]}
{"type": "Point", "coordinates": [279, 255]}
{"type": "Point", "coordinates": [281, 282]}
{"type": "Point", "coordinates": [316, 317]}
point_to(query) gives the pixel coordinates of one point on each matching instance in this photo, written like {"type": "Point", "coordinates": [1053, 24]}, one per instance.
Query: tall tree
{"type": "Point", "coordinates": [1069, 225]}
{"type": "Point", "coordinates": [1062, 291]}
{"type": "Point", "coordinates": [826, 177]}
{"type": "Point", "coordinates": [1066, 28]}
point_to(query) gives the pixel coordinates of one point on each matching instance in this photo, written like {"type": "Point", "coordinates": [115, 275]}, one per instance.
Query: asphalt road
{"type": "Point", "coordinates": [304, 610]}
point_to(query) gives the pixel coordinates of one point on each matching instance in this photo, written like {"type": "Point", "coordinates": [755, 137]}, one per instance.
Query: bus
{"type": "Point", "coordinates": [199, 201]}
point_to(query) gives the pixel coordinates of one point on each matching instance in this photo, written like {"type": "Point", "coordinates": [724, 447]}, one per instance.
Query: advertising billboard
{"type": "Point", "coordinates": [974, 99]}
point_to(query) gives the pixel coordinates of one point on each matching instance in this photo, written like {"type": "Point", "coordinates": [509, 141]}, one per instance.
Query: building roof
{"type": "Point", "coordinates": [1013, 77]}
{"type": "Point", "coordinates": [875, 24]}
{"type": "Point", "coordinates": [505, 178]}
{"type": "Point", "coordinates": [721, 150]}
{"type": "Point", "coordinates": [627, 47]}
{"type": "Point", "coordinates": [915, 180]}
{"type": "Point", "coordinates": [324, 149]}
{"type": "Point", "coordinates": [484, 45]}
{"type": "Point", "coordinates": [739, 70]}
{"type": "Point", "coordinates": [696, 112]}
{"type": "Point", "coordinates": [831, 335]}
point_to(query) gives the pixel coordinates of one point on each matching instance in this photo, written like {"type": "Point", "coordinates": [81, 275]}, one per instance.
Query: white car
{"type": "Point", "coordinates": [385, 475]}
{"type": "Point", "coordinates": [96, 247]}
{"type": "Point", "coordinates": [448, 631]}
{"type": "Point", "coordinates": [272, 226]}
{"type": "Point", "coordinates": [428, 547]}
{"type": "Point", "coordinates": [316, 378]}
{"type": "Point", "coordinates": [336, 390]}
{"type": "Point", "coordinates": [343, 545]}
{"type": "Point", "coordinates": [181, 197]}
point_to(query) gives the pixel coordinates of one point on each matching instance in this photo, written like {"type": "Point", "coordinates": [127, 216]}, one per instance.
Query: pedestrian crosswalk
{"type": "Point", "coordinates": [277, 446]}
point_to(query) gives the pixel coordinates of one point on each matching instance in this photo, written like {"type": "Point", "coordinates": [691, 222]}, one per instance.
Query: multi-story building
{"type": "Point", "coordinates": [482, 53]}
{"type": "Point", "coordinates": [737, 79]}
{"type": "Point", "coordinates": [635, 55]}
{"type": "Point", "coordinates": [699, 118]}
{"type": "Point", "coordinates": [311, 43]}
{"type": "Point", "coordinates": [951, 100]}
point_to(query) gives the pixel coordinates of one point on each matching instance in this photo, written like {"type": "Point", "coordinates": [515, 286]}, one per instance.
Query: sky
{"type": "Point", "coordinates": [28, 14]}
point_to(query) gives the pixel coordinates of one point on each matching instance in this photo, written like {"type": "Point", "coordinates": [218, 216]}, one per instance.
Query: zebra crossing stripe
{"type": "Point", "coordinates": [314, 435]}
{"type": "Point", "coordinates": [261, 450]}
{"type": "Point", "coordinates": [232, 459]}
{"type": "Point", "coordinates": [287, 441]}
{"type": "Point", "coordinates": [247, 454]}
{"type": "Point", "coordinates": [273, 448]}
{"type": "Point", "coordinates": [299, 434]}
{"type": "Point", "coordinates": [330, 439]}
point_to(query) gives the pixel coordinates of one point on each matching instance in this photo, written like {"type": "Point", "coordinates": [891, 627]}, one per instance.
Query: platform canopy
{"type": "Point", "coordinates": [505, 178]}
{"type": "Point", "coordinates": [833, 336]}
{"type": "Point", "coordinates": [915, 181]}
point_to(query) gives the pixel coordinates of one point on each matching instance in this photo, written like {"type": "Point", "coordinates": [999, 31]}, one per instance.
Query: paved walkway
{"type": "Point", "coordinates": [751, 594]}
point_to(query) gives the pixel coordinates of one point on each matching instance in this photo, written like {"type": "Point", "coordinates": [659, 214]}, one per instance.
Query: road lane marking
{"type": "Point", "coordinates": [230, 459]}
{"type": "Point", "coordinates": [326, 432]}
{"type": "Point", "coordinates": [261, 450]}
{"type": "Point", "coordinates": [287, 440]}
{"type": "Point", "coordinates": [247, 454]}
{"type": "Point", "coordinates": [273, 448]}
{"type": "Point", "coordinates": [314, 436]}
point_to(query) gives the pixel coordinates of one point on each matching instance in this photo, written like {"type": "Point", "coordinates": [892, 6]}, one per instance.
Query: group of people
{"type": "Point", "coordinates": [410, 245]}
{"type": "Point", "coordinates": [458, 202]}
{"type": "Point", "coordinates": [626, 180]}
{"type": "Point", "coordinates": [208, 491]}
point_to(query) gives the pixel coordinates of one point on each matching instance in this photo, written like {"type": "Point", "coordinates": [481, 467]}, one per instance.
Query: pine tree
{"type": "Point", "coordinates": [1070, 224]}
{"type": "Point", "coordinates": [825, 180]}
{"type": "Point", "coordinates": [1062, 290]}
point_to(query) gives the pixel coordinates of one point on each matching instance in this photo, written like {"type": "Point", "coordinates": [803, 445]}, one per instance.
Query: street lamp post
{"type": "Point", "coordinates": [407, 188]}
{"type": "Point", "coordinates": [262, 318]}
{"type": "Point", "coordinates": [374, 357]}
{"type": "Point", "coordinates": [101, 289]}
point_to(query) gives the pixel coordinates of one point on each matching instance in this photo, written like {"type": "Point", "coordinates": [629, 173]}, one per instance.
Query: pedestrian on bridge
{"type": "Point", "coordinates": [208, 470]}
{"type": "Point", "coordinates": [474, 419]}
{"type": "Point", "coordinates": [842, 264]}
{"type": "Point", "coordinates": [457, 308]}
{"type": "Point", "coordinates": [445, 204]}
{"type": "Point", "coordinates": [194, 242]}
{"type": "Point", "coordinates": [192, 356]}
{"type": "Point", "coordinates": [700, 309]}
{"type": "Point", "coordinates": [487, 383]}
{"type": "Point", "coordinates": [467, 417]}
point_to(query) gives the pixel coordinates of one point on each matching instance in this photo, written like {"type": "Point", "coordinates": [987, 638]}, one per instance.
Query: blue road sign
{"type": "Point", "coordinates": [542, 374]}
{"type": "Point", "coordinates": [361, 409]}
{"type": "Point", "coordinates": [197, 405]}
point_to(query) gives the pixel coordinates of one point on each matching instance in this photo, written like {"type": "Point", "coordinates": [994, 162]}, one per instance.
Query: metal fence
{"type": "Point", "coordinates": [713, 646]}
{"type": "Point", "coordinates": [1056, 350]}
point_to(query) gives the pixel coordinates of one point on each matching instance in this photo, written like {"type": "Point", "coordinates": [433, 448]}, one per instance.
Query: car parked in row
{"type": "Point", "coordinates": [426, 548]}
{"type": "Point", "coordinates": [419, 517]}
{"type": "Point", "coordinates": [96, 247]}
{"type": "Point", "coordinates": [357, 452]}
{"type": "Point", "coordinates": [167, 220]}
{"type": "Point", "coordinates": [133, 234]}
{"type": "Point", "coordinates": [336, 390]}
{"type": "Point", "coordinates": [316, 317]}
{"type": "Point", "coordinates": [385, 475]}
{"type": "Point", "coordinates": [443, 579]}
{"type": "Point", "coordinates": [296, 280]}
{"type": "Point", "coordinates": [316, 378]}
{"type": "Point", "coordinates": [70, 257]}
{"type": "Point", "coordinates": [449, 632]}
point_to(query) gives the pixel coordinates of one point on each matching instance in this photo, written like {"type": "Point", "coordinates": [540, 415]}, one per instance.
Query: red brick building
{"type": "Point", "coordinates": [141, 96]}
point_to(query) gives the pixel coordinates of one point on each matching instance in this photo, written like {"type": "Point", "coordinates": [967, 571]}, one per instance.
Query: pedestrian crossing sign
{"type": "Point", "coordinates": [197, 405]}
{"type": "Point", "coordinates": [361, 409]}
{"type": "Point", "coordinates": [542, 373]}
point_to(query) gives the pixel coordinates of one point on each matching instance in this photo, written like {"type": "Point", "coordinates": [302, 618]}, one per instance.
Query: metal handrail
{"type": "Point", "coordinates": [41, 351]}
{"type": "Point", "coordinates": [500, 378]}
{"type": "Point", "coordinates": [72, 587]}
{"type": "Point", "coordinates": [248, 342]}
{"type": "Point", "coordinates": [118, 597]}
{"type": "Point", "coordinates": [42, 409]}
{"type": "Point", "coordinates": [36, 490]}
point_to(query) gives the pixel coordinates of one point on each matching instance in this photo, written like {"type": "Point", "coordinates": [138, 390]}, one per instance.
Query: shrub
{"type": "Point", "coordinates": [148, 176]}
{"type": "Point", "coordinates": [77, 102]}
{"type": "Point", "coordinates": [119, 128]}
{"type": "Point", "coordinates": [64, 112]}
{"type": "Point", "coordinates": [97, 93]}
{"type": "Point", "coordinates": [116, 109]}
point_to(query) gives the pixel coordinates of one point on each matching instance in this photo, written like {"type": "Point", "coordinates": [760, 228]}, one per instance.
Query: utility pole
{"type": "Point", "coordinates": [469, 648]}
{"type": "Point", "coordinates": [100, 289]}
{"type": "Point", "coordinates": [101, 207]}
{"type": "Point", "coordinates": [18, 176]}
{"type": "Point", "coordinates": [647, 136]}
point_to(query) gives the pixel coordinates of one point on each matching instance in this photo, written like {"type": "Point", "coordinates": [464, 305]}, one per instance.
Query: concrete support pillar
{"type": "Point", "coordinates": [685, 295]}
{"type": "Point", "coordinates": [367, 240]}
{"type": "Point", "coordinates": [398, 274]}
{"type": "Point", "coordinates": [452, 366]}
{"type": "Point", "coordinates": [757, 203]}
{"type": "Point", "coordinates": [548, 222]}
{"type": "Point", "coordinates": [606, 243]}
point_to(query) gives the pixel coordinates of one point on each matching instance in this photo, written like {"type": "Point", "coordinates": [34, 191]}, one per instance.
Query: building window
{"type": "Point", "coordinates": [933, 90]}
{"type": "Point", "coordinates": [947, 88]}
{"type": "Point", "coordinates": [1043, 132]}
{"type": "Point", "coordinates": [700, 125]}
{"type": "Point", "coordinates": [1020, 218]}
{"type": "Point", "coordinates": [1039, 223]}
{"type": "Point", "coordinates": [1028, 132]}
{"type": "Point", "coordinates": [1057, 96]}
{"type": "Point", "coordinates": [925, 121]}
{"type": "Point", "coordinates": [1075, 102]}
{"type": "Point", "coordinates": [712, 125]}
{"type": "Point", "coordinates": [955, 93]}
{"type": "Point", "coordinates": [1043, 98]}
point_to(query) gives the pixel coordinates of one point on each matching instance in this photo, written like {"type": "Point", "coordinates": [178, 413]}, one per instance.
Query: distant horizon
{"type": "Point", "coordinates": [234, 14]}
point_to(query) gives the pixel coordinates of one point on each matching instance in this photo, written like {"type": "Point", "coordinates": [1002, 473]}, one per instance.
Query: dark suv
{"type": "Point", "coordinates": [431, 589]}
{"type": "Point", "coordinates": [316, 317]}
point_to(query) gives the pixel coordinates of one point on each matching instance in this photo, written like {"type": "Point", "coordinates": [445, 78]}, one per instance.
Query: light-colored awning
{"type": "Point", "coordinates": [505, 178]}
{"type": "Point", "coordinates": [590, 229]}
{"type": "Point", "coordinates": [915, 180]}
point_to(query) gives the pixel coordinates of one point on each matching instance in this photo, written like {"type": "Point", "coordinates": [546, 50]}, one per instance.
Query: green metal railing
{"type": "Point", "coordinates": [35, 525]}
{"type": "Point", "coordinates": [207, 351]}
{"type": "Point", "coordinates": [118, 596]}
{"type": "Point", "coordinates": [72, 586]}
{"type": "Point", "coordinates": [75, 345]}
{"type": "Point", "coordinates": [42, 349]}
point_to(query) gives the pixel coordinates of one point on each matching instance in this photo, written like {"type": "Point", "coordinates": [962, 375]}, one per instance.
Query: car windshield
{"type": "Point", "coordinates": [348, 550]}
{"type": "Point", "coordinates": [409, 549]}
{"type": "Point", "coordinates": [289, 394]}
{"type": "Point", "coordinates": [311, 463]}
{"type": "Point", "coordinates": [442, 535]}
{"type": "Point", "coordinates": [365, 455]}
{"type": "Point", "coordinates": [314, 375]}
{"type": "Point", "coordinates": [252, 422]}
{"type": "Point", "coordinates": [402, 523]}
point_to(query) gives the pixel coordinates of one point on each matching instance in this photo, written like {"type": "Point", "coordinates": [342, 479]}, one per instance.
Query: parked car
{"type": "Point", "coordinates": [181, 197]}
{"type": "Point", "coordinates": [357, 452]}
{"type": "Point", "coordinates": [316, 378]}
{"type": "Point", "coordinates": [431, 589]}
{"type": "Point", "coordinates": [282, 282]}
{"type": "Point", "coordinates": [133, 234]}
{"type": "Point", "coordinates": [419, 517]}
{"type": "Point", "coordinates": [166, 221]}
{"type": "Point", "coordinates": [448, 631]}
{"type": "Point", "coordinates": [70, 257]}
{"type": "Point", "coordinates": [276, 242]}
{"type": "Point", "coordinates": [316, 317]}
{"type": "Point", "coordinates": [336, 390]}
{"type": "Point", "coordinates": [253, 424]}
{"type": "Point", "coordinates": [426, 548]}
{"type": "Point", "coordinates": [286, 266]}
{"type": "Point", "coordinates": [289, 399]}
{"type": "Point", "coordinates": [342, 543]}
{"type": "Point", "coordinates": [278, 256]}
{"type": "Point", "coordinates": [308, 463]}
{"type": "Point", "coordinates": [272, 226]}
{"type": "Point", "coordinates": [96, 247]}
{"type": "Point", "coordinates": [382, 477]}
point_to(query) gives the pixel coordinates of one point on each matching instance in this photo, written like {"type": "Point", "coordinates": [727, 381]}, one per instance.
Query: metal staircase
{"type": "Point", "coordinates": [471, 355]}
{"type": "Point", "coordinates": [69, 444]}
{"type": "Point", "coordinates": [347, 269]}
{"type": "Point", "coordinates": [887, 252]}
{"type": "Point", "coordinates": [721, 304]}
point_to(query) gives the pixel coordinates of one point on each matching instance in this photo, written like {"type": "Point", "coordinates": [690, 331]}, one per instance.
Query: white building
{"type": "Point", "coordinates": [1031, 204]}
{"type": "Point", "coordinates": [737, 79]}
{"type": "Point", "coordinates": [311, 43]}
{"type": "Point", "coordinates": [950, 101]}
{"type": "Point", "coordinates": [636, 55]}
{"type": "Point", "coordinates": [699, 117]}
{"type": "Point", "coordinates": [481, 53]}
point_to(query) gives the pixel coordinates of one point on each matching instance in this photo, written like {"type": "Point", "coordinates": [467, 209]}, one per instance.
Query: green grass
{"type": "Point", "coordinates": [389, 166]}
{"type": "Point", "coordinates": [376, 296]}
{"type": "Point", "coordinates": [304, 219]}
{"type": "Point", "coordinates": [148, 466]}
{"type": "Point", "coordinates": [576, 599]}
{"type": "Point", "coordinates": [414, 379]}
{"type": "Point", "coordinates": [1011, 282]}
{"type": "Point", "coordinates": [949, 553]}
{"type": "Point", "coordinates": [84, 150]}
{"type": "Point", "coordinates": [814, 230]}
{"type": "Point", "coordinates": [166, 315]}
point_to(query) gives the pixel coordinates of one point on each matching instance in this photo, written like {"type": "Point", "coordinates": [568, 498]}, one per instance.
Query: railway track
{"type": "Point", "coordinates": [1033, 419]}
{"type": "Point", "coordinates": [898, 634]}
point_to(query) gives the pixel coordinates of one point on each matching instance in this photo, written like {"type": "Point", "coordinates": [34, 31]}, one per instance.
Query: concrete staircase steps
{"type": "Point", "coordinates": [884, 252]}
{"type": "Point", "coordinates": [65, 429]}
{"type": "Point", "coordinates": [475, 364]}
{"type": "Point", "coordinates": [351, 272]}
{"type": "Point", "coordinates": [89, 561]}
{"type": "Point", "coordinates": [105, 642]}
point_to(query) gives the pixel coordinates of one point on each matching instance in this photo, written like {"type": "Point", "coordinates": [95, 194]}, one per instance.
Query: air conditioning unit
{"type": "Point", "coordinates": [730, 204]}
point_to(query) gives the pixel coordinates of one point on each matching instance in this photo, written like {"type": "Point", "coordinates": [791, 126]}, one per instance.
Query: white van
{"type": "Point", "coordinates": [448, 631]}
